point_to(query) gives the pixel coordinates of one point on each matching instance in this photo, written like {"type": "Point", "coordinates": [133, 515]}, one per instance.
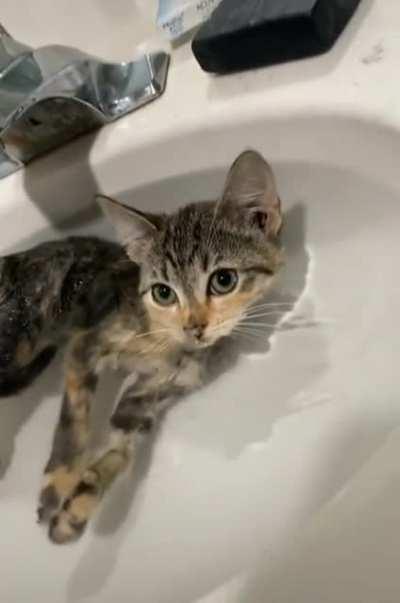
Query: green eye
{"type": "Point", "coordinates": [163, 295]}
{"type": "Point", "coordinates": [223, 281]}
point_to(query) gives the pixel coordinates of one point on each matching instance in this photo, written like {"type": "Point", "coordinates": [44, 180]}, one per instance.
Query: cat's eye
{"type": "Point", "coordinates": [163, 295]}
{"type": "Point", "coordinates": [223, 281]}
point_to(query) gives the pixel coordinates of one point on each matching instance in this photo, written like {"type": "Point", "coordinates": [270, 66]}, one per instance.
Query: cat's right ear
{"type": "Point", "coordinates": [251, 185]}
{"type": "Point", "coordinates": [133, 227]}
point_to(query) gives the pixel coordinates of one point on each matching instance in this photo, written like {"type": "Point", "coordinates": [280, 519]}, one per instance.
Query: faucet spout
{"type": "Point", "coordinates": [53, 94]}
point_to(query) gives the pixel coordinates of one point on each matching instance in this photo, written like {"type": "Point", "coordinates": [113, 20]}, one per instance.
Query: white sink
{"type": "Point", "coordinates": [280, 482]}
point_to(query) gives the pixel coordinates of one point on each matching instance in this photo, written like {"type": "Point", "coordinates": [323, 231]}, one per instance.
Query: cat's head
{"type": "Point", "coordinates": [203, 266]}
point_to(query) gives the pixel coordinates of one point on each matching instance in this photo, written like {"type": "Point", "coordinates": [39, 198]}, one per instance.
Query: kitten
{"type": "Point", "coordinates": [156, 306]}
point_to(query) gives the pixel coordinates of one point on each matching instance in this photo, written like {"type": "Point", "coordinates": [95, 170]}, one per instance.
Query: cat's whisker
{"type": "Point", "coordinates": [254, 336]}
{"type": "Point", "coordinates": [281, 326]}
{"type": "Point", "coordinates": [244, 336]}
{"type": "Point", "coordinates": [156, 331]}
{"type": "Point", "coordinates": [261, 320]}
{"type": "Point", "coordinates": [269, 313]}
{"type": "Point", "coordinates": [275, 310]}
{"type": "Point", "coordinates": [254, 326]}
{"type": "Point", "coordinates": [156, 345]}
{"type": "Point", "coordinates": [271, 305]}
{"type": "Point", "coordinates": [248, 323]}
{"type": "Point", "coordinates": [259, 325]}
{"type": "Point", "coordinates": [224, 323]}
{"type": "Point", "coordinates": [241, 334]}
{"type": "Point", "coordinates": [258, 319]}
{"type": "Point", "coordinates": [250, 334]}
{"type": "Point", "coordinates": [299, 318]}
{"type": "Point", "coordinates": [247, 315]}
{"type": "Point", "coordinates": [307, 322]}
{"type": "Point", "coordinates": [163, 347]}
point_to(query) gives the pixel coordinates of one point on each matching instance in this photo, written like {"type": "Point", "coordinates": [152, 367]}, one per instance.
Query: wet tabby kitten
{"type": "Point", "coordinates": [155, 306]}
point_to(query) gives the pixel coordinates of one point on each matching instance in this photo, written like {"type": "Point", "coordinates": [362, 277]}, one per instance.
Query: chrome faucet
{"type": "Point", "coordinates": [52, 95]}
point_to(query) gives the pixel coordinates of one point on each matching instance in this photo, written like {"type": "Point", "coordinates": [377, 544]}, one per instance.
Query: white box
{"type": "Point", "coordinates": [175, 17]}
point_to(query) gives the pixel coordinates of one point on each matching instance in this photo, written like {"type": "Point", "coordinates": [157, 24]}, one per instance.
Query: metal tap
{"type": "Point", "coordinates": [53, 94]}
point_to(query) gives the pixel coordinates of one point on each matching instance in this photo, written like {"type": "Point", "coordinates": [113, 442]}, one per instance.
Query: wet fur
{"type": "Point", "coordinates": [95, 297]}
{"type": "Point", "coordinates": [47, 293]}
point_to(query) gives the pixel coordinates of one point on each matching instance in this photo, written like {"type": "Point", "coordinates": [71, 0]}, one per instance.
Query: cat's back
{"type": "Point", "coordinates": [55, 287]}
{"type": "Point", "coordinates": [58, 277]}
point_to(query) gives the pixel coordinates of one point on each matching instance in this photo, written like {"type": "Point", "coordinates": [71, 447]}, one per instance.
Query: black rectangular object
{"type": "Point", "coordinates": [242, 34]}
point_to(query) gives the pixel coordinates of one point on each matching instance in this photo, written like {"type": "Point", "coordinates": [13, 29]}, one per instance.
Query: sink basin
{"type": "Point", "coordinates": [280, 481]}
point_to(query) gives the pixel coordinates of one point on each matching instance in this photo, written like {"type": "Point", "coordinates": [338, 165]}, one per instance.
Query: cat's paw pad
{"type": "Point", "coordinates": [58, 485]}
{"type": "Point", "coordinates": [49, 503]}
{"type": "Point", "coordinates": [65, 528]}
{"type": "Point", "coordinates": [70, 523]}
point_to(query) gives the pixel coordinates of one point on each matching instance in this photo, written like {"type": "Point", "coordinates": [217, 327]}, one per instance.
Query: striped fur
{"type": "Point", "coordinates": [100, 298]}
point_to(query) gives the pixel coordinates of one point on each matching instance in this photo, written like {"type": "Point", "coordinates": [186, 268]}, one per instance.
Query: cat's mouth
{"type": "Point", "coordinates": [201, 338]}
{"type": "Point", "coordinates": [197, 344]}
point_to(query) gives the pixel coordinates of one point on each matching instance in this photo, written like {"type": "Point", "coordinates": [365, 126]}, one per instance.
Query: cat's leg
{"type": "Point", "coordinates": [133, 420]}
{"type": "Point", "coordinates": [64, 467]}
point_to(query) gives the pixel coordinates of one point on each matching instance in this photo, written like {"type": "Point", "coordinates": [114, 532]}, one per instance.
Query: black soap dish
{"type": "Point", "coordinates": [243, 34]}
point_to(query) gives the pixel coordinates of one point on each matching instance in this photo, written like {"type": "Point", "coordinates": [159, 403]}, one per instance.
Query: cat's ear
{"type": "Point", "coordinates": [132, 226]}
{"type": "Point", "coordinates": [251, 184]}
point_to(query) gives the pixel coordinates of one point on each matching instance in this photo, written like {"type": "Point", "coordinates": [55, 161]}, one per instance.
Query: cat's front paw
{"type": "Point", "coordinates": [58, 485]}
{"type": "Point", "coordinates": [70, 522]}
{"type": "Point", "coordinates": [49, 503]}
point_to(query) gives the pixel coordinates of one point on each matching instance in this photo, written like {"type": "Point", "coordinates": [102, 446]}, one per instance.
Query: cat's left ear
{"type": "Point", "coordinates": [251, 184]}
{"type": "Point", "coordinates": [134, 228]}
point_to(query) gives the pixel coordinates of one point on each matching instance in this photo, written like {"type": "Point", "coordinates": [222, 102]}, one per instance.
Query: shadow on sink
{"type": "Point", "coordinates": [17, 410]}
{"type": "Point", "coordinates": [52, 195]}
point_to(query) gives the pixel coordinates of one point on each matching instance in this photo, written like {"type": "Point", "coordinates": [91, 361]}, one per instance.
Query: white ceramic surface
{"type": "Point", "coordinates": [111, 30]}
{"type": "Point", "coordinates": [280, 483]}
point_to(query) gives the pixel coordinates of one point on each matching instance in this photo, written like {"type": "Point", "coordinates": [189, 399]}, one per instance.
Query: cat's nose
{"type": "Point", "coordinates": [195, 331]}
